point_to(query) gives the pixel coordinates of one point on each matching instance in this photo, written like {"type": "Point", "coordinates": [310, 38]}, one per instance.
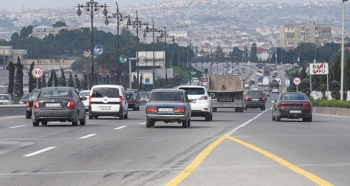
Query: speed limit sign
{"type": "Point", "coordinates": [37, 72]}
{"type": "Point", "coordinates": [296, 81]}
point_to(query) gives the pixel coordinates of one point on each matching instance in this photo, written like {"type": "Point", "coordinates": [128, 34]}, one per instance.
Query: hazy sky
{"type": "Point", "coordinates": [15, 4]}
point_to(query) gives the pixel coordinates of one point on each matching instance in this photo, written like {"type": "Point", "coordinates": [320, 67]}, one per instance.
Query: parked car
{"type": "Point", "coordinates": [292, 105]}
{"type": "Point", "coordinates": [24, 98]}
{"type": "Point", "coordinates": [254, 99]}
{"type": "Point", "coordinates": [108, 100]}
{"type": "Point", "coordinates": [200, 101]}
{"type": "Point", "coordinates": [168, 105]}
{"type": "Point", "coordinates": [29, 103]}
{"type": "Point", "coordinates": [133, 100]}
{"type": "Point", "coordinates": [85, 93]}
{"type": "Point", "coordinates": [58, 104]}
{"type": "Point", "coordinates": [6, 99]}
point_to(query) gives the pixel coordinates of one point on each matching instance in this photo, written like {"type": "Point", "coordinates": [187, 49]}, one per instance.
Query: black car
{"type": "Point", "coordinates": [24, 98]}
{"type": "Point", "coordinates": [29, 103]}
{"type": "Point", "coordinates": [133, 100]}
{"type": "Point", "coordinates": [58, 104]}
{"type": "Point", "coordinates": [254, 99]}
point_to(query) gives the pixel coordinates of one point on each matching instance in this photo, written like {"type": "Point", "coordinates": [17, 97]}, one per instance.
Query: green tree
{"type": "Point", "coordinates": [43, 80]}
{"type": "Point", "coordinates": [84, 82]}
{"type": "Point", "coordinates": [11, 77]}
{"type": "Point", "coordinates": [77, 82]}
{"type": "Point", "coordinates": [31, 83]}
{"type": "Point", "coordinates": [63, 81]}
{"type": "Point", "coordinates": [49, 83]}
{"type": "Point", "coordinates": [245, 54]}
{"type": "Point", "coordinates": [26, 31]}
{"type": "Point", "coordinates": [236, 54]}
{"type": "Point", "coordinates": [55, 81]}
{"type": "Point", "coordinates": [70, 80]}
{"type": "Point", "coordinates": [18, 89]}
{"type": "Point", "coordinates": [253, 53]}
{"type": "Point", "coordinates": [59, 24]}
{"type": "Point", "coordinates": [337, 69]}
{"type": "Point", "coordinates": [303, 73]}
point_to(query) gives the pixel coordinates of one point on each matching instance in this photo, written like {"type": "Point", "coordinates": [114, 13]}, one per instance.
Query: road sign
{"type": "Point", "coordinates": [296, 81]}
{"type": "Point", "coordinates": [86, 52]}
{"type": "Point", "coordinates": [98, 50]}
{"type": "Point", "coordinates": [142, 59]}
{"type": "Point", "coordinates": [123, 58]}
{"type": "Point", "coordinates": [287, 82]}
{"type": "Point", "coordinates": [318, 68]}
{"type": "Point", "coordinates": [37, 72]}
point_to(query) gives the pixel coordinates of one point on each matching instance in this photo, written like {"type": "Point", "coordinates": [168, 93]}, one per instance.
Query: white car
{"type": "Point", "coordinates": [200, 101]}
{"type": "Point", "coordinates": [275, 90]}
{"type": "Point", "coordinates": [108, 100]}
{"type": "Point", "coordinates": [254, 88]}
{"type": "Point", "coordinates": [85, 93]}
{"type": "Point", "coordinates": [6, 99]}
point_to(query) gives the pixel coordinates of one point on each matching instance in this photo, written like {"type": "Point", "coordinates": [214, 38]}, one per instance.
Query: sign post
{"type": "Point", "coordinates": [318, 69]}
{"type": "Point", "coordinates": [37, 73]}
{"type": "Point", "coordinates": [297, 82]}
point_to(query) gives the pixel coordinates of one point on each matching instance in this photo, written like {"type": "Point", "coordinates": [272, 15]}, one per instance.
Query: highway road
{"type": "Point", "coordinates": [234, 149]}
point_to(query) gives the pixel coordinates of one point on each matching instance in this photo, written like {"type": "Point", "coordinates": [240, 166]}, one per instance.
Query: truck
{"type": "Point", "coordinates": [273, 84]}
{"type": "Point", "coordinates": [226, 91]}
{"type": "Point", "coordinates": [260, 80]}
{"type": "Point", "coordinates": [266, 71]}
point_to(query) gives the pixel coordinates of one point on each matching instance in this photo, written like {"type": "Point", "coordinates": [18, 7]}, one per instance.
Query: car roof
{"type": "Point", "coordinates": [54, 88]}
{"type": "Point", "coordinates": [191, 86]}
{"type": "Point", "coordinates": [168, 90]}
{"type": "Point", "coordinates": [85, 91]}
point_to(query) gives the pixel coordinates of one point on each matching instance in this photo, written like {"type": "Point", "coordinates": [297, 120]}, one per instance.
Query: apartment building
{"type": "Point", "coordinates": [293, 34]}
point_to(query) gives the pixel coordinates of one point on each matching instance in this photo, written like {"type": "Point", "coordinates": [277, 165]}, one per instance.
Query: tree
{"type": "Point", "coordinates": [245, 54]}
{"type": "Point", "coordinates": [70, 80]}
{"type": "Point", "coordinates": [43, 81]}
{"type": "Point", "coordinates": [49, 83]}
{"type": "Point", "coordinates": [77, 82]}
{"type": "Point", "coordinates": [63, 81]}
{"type": "Point", "coordinates": [55, 81]}
{"type": "Point", "coordinates": [11, 77]}
{"type": "Point", "coordinates": [59, 24]}
{"type": "Point", "coordinates": [253, 53]}
{"type": "Point", "coordinates": [303, 73]}
{"type": "Point", "coordinates": [337, 69]}
{"type": "Point", "coordinates": [84, 83]}
{"type": "Point", "coordinates": [18, 89]}
{"type": "Point", "coordinates": [206, 71]}
{"type": "Point", "coordinates": [32, 82]}
{"type": "Point", "coordinates": [26, 31]}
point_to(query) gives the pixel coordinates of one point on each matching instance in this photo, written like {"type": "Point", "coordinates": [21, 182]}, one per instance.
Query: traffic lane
{"type": "Point", "coordinates": [320, 147]}
{"type": "Point", "coordinates": [171, 149]}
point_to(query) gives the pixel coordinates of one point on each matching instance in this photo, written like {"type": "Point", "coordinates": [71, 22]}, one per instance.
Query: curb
{"type": "Point", "coordinates": [12, 110]}
{"type": "Point", "coordinates": [332, 111]}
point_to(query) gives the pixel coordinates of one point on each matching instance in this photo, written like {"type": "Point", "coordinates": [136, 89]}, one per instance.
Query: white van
{"type": "Point", "coordinates": [108, 100]}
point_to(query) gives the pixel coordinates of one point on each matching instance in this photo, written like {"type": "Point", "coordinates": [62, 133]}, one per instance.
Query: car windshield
{"type": "Point", "coordinates": [4, 97]}
{"type": "Point", "coordinates": [34, 94]}
{"type": "Point", "coordinates": [25, 96]}
{"type": "Point", "coordinates": [130, 93]}
{"type": "Point", "coordinates": [293, 97]}
{"type": "Point", "coordinates": [100, 92]}
{"type": "Point", "coordinates": [84, 93]}
{"type": "Point", "coordinates": [166, 96]}
{"type": "Point", "coordinates": [54, 93]}
{"type": "Point", "coordinates": [194, 91]}
{"type": "Point", "coordinates": [254, 93]}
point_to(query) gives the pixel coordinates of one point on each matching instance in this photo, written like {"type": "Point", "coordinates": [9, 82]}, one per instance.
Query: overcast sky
{"type": "Point", "coordinates": [15, 4]}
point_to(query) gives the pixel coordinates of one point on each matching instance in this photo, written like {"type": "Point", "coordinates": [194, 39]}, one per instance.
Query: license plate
{"type": "Point", "coordinates": [52, 105]}
{"type": "Point", "coordinates": [193, 100]}
{"type": "Point", "coordinates": [165, 109]}
{"type": "Point", "coordinates": [105, 108]}
{"type": "Point", "coordinates": [295, 111]}
{"type": "Point", "coordinates": [255, 99]}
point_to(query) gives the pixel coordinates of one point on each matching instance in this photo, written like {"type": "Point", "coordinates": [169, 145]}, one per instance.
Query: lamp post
{"type": "Point", "coordinates": [120, 18]}
{"type": "Point", "coordinates": [137, 25]}
{"type": "Point", "coordinates": [342, 52]}
{"type": "Point", "coordinates": [164, 35]}
{"type": "Point", "coordinates": [92, 8]}
{"type": "Point", "coordinates": [202, 53]}
{"type": "Point", "coordinates": [189, 62]}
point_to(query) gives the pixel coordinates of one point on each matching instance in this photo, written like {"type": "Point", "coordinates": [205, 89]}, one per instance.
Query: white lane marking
{"type": "Point", "coordinates": [87, 136]}
{"type": "Point", "coordinates": [142, 123]}
{"type": "Point", "coordinates": [17, 126]}
{"type": "Point", "coordinates": [12, 117]}
{"type": "Point", "coordinates": [38, 152]}
{"type": "Point", "coordinates": [119, 128]}
{"type": "Point", "coordinates": [244, 124]}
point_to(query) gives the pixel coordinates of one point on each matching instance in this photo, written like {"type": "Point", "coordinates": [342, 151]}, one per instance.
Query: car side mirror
{"type": "Point", "coordinates": [83, 98]}
{"type": "Point", "coordinates": [212, 95]}
{"type": "Point", "coordinates": [273, 101]}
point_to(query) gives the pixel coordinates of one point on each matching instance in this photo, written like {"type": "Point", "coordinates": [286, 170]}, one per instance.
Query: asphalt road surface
{"type": "Point", "coordinates": [234, 149]}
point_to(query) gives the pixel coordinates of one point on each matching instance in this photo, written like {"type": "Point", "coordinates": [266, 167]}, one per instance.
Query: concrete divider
{"type": "Point", "coordinates": [332, 111]}
{"type": "Point", "coordinates": [12, 110]}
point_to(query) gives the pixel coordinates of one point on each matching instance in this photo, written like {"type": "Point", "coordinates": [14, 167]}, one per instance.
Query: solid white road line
{"type": "Point", "coordinates": [17, 126]}
{"type": "Point", "coordinates": [90, 135]}
{"type": "Point", "coordinates": [12, 117]}
{"type": "Point", "coordinates": [142, 123]}
{"type": "Point", "coordinates": [38, 152]}
{"type": "Point", "coordinates": [119, 128]}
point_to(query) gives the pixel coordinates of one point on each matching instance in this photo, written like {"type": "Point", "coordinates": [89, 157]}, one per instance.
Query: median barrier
{"type": "Point", "coordinates": [12, 110]}
{"type": "Point", "coordinates": [331, 111]}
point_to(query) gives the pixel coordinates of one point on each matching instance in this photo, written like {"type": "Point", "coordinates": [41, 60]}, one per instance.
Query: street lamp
{"type": "Point", "coordinates": [342, 52]}
{"type": "Point", "coordinates": [136, 25]}
{"type": "Point", "coordinates": [164, 35]}
{"type": "Point", "coordinates": [92, 8]}
{"type": "Point", "coordinates": [190, 64]}
{"type": "Point", "coordinates": [120, 18]}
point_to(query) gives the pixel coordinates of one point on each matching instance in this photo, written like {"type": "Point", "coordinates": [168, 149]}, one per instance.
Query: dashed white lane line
{"type": "Point", "coordinates": [119, 128]}
{"type": "Point", "coordinates": [38, 152]}
{"type": "Point", "coordinates": [142, 123]}
{"type": "Point", "coordinates": [17, 126]}
{"type": "Point", "coordinates": [87, 136]}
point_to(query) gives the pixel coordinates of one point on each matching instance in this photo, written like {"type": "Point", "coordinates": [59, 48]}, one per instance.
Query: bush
{"type": "Point", "coordinates": [330, 103]}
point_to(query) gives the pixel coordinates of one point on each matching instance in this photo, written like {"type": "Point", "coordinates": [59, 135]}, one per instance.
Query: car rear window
{"type": "Point", "coordinates": [166, 96]}
{"type": "Point", "coordinates": [84, 93]}
{"type": "Point", "coordinates": [54, 93]}
{"type": "Point", "coordinates": [25, 96]}
{"type": "Point", "coordinates": [4, 97]}
{"type": "Point", "coordinates": [130, 94]}
{"type": "Point", "coordinates": [255, 93]}
{"type": "Point", "coordinates": [100, 92]}
{"type": "Point", "coordinates": [293, 97]}
{"type": "Point", "coordinates": [34, 94]}
{"type": "Point", "coordinates": [194, 91]}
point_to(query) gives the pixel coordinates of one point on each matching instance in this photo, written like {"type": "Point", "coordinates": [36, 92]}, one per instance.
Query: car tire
{"type": "Point", "coordinates": [126, 116]}
{"type": "Point", "coordinates": [153, 123]}
{"type": "Point", "coordinates": [245, 108]}
{"type": "Point", "coordinates": [134, 107]}
{"type": "Point", "coordinates": [148, 124]}
{"type": "Point", "coordinates": [215, 109]}
{"type": "Point", "coordinates": [35, 123]}
{"type": "Point", "coordinates": [208, 117]}
{"type": "Point", "coordinates": [138, 107]}
{"type": "Point", "coordinates": [83, 121]}
{"type": "Point", "coordinates": [273, 117]}
{"type": "Point", "coordinates": [189, 122]}
{"type": "Point", "coordinates": [91, 117]}
{"type": "Point", "coordinates": [121, 117]}
{"type": "Point", "coordinates": [211, 116]}
{"type": "Point", "coordinates": [185, 124]}
{"type": "Point", "coordinates": [278, 118]}
{"type": "Point", "coordinates": [44, 123]}
{"type": "Point", "coordinates": [309, 119]}
{"type": "Point", "coordinates": [262, 108]}
{"type": "Point", "coordinates": [28, 116]}
{"type": "Point", "coordinates": [75, 122]}
{"type": "Point", "coordinates": [95, 117]}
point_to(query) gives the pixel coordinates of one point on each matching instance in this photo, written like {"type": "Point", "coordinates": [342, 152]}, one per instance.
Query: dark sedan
{"type": "Point", "coordinates": [292, 105]}
{"type": "Point", "coordinates": [168, 105]}
{"type": "Point", "coordinates": [133, 100]}
{"type": "Point", "coordinates": [29, 103]}
{"type": "Point", "coordinates": [254, 99]}
{"type": "Point", "coordinates": [58, 104]}
{"type": "Point", "coordinates": [24, 98]}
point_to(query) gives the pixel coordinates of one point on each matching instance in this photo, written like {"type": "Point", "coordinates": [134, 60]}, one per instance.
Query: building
{"type": "Point", "coordinates": [7, 54]}
{"type": "Point", "coordinates": [293, 34]}
{"type": "Point", "coordinates": [43, 31]}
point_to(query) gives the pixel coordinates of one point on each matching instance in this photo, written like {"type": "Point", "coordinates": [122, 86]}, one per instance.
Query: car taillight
{"type": "Point", "coordinates": [36, 104]}
{"type": "Point", "coordinates": [246, 98]}
{"type": "Point", "coordinates": [151, 109]}
{"type": "Point", "coordinates": [179, 109]}
{"type": "Point", "coordinates": [131, 100]}
{"type": "Point", "coordinates": [306, 105]}
{"type": "Point", "coordinates": [27, 103]}
{"type": "Point", "coordinates": [70, 104]}
{"type": "Point", "coordinates": [121, 101]}
{"type": "Point", "coordinates": [264, 98]}
{"type": "Point", "coordinates": [203, 98]}
{"type": "Point", "coordinates": [90, 100]}
{"type": "Point", "coordinates": [281, 105]}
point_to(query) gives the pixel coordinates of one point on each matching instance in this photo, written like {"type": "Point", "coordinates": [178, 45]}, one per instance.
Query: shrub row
{"type": "Point", "coordinates": [330, 103]}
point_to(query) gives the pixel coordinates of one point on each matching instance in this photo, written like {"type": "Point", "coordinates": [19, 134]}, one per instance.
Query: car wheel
{"type": "Point", "coordinates": [95, 117]}
{"type": "Point", "coordinates": [44, 123]}
{"type": "Point", "coordinates": [28, 116]}
{"type": "Point", "coordinates": [75, 122]}
{"type": "Point", "coordinates": [207, 117]}
{"type": "Point", "coordinates": [185, 124]}
{"type": "Point", "coordinates": [126, 116]}
{"type": "Point", "coordinates": [138, 107]}
{"type": "Point", "coordinates": [148, 124]}
{"type": "Point", "coordinates": [121, 117]}
{"type": "Point", "coordinates": [153, 123]}
{"type": "Point", "coordinates": [134, 107]}
{"type": "Point", "coordinates": [309, 119]}
{"type": "Point", "coordinates": [211, 116]}
{"type": "Point", "coordinates": [262, 108]}
{"type": "Point", "coordinates": [91, 117]}
{"type": "Point", "coordinates": [35, 123]}
{"type": "Point", "coordinates": [245, 108]}
{"type": "Point", "coordinates": [273, 117]}
{"type": "Point", "coordinates": [83, 121]}
{"type": "Point", "coordinates": [278, 118]}
{"type": "Point", "coordinates": [215, 109]}
{"type": "Point", "coordinates": [189, 122]}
